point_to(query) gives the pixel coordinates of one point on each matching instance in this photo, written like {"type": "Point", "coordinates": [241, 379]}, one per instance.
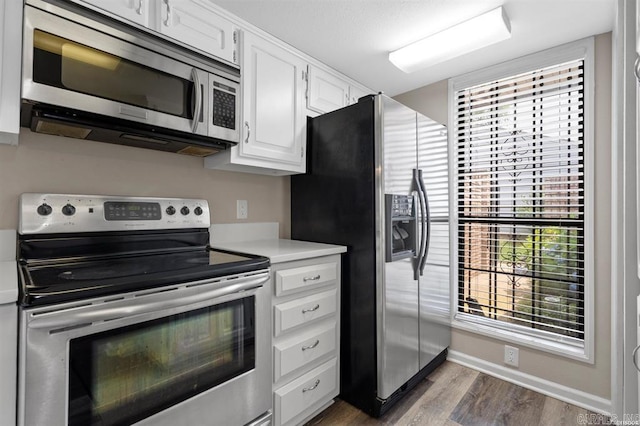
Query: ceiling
{"type": "Point", "coordinates": [356, 36]}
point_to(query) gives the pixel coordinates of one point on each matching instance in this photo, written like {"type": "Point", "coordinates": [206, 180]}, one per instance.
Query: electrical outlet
{"type": "Point", "coordinates": [242, 209]}
{"type": "Point", "coordinates": [511, 356]}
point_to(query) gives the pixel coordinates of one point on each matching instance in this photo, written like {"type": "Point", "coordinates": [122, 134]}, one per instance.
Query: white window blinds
{"type": "Point", "coordinates": [520, 197]}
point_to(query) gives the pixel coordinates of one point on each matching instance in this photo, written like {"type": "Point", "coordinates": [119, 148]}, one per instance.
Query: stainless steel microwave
{"type": "Point", "coordinates": [89, 77]}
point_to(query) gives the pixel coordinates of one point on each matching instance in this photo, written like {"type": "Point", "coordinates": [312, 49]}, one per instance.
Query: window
{"type": "Point", "coordinates": [521, 189]}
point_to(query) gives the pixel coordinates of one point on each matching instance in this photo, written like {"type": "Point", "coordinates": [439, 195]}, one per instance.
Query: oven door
{"type": "Point", "coordinates": [76, 66]}
{"type": "Point", "coordinates": [183, 354]}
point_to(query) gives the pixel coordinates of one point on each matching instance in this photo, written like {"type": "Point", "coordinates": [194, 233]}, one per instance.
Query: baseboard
{"type": "Point", "coordinates": [579, 398]}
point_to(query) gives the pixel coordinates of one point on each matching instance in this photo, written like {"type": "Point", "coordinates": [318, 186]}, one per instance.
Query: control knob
{"type": "Point", "coordinates": [44, 209]}
{"type": "Point", "coordinates": [197, 211]}
{"type": "Point", "coordinates": [184, 210]}
{"type": "Point", "coordinates": [68, 210]}
{"type": "Point", "coordinates": [171, 210]}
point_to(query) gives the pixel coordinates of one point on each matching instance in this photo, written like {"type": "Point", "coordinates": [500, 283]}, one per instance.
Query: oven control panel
{"type": "Point", "coordinates": [59, 213]}
{"type": "Point", "coordinates": [132, 210]}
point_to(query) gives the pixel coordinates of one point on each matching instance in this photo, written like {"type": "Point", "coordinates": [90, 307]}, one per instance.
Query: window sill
{"type": "Point", "coordinates": [581, 354]}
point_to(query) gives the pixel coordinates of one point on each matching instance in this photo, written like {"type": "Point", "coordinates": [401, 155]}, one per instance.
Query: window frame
{"type": "Point", "coordinates": [581, 49]}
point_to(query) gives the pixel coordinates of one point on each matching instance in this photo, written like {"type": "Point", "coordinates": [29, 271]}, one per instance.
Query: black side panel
{"type": "Point", "coordinates": [334, 203]}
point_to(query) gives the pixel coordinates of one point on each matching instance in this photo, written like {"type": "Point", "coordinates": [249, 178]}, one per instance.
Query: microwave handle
{"type": "Point", "coordinates": [198, 94]}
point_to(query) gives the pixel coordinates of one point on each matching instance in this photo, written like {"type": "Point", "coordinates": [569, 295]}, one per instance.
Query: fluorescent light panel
{"type": "Point", "coordinates": [474, 34]}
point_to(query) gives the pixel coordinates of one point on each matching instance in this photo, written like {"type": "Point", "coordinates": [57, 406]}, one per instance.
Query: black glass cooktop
{"type": "Point", "coordinates": [55, 281]}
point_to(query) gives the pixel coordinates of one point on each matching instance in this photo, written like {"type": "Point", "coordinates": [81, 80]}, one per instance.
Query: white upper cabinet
{"type": "Point", "coordinates": [327, 91]}
{"type": "Point", "coordinates": [273, 116]}
{"type": "Point", "coordinates": [273, 113]}
{"type": "Point", "coordinates": [132, 10]}
{"type": "Point", "coordinates": [197, 25]}
{"type": "Point", "coordinates": [356, 92]}
{"type": "Point", "coordinates": [10, 63]}
{"type": "Point", "coordinates": [194, 23]}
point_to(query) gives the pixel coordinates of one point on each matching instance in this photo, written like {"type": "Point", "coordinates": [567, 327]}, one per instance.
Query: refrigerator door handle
{"type": "Point", "coordinates": [417, 176]}
{"type": "Point", "coordinates": [426, 222]}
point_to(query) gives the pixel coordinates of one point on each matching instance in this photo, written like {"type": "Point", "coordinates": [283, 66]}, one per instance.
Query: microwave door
{"type": "Point", "coordinates": [74, 66]}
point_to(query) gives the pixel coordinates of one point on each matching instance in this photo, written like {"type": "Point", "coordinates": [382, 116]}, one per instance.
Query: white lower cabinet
{"type": "Point", "coordinates": [10, 68]}
{"type": "Point", "coordinates": [306, 337]}
{"type": "Point", "coordinates": [293, 400]}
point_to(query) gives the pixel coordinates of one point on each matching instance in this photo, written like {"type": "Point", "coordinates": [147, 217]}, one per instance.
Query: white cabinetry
{"type": "Point", "coordinates": [8, 321]}
{"type": "Point", "coordinates": [10, 63]}
{"type": "Point", "coordinates": [306, 315]}
{"type": "Point", "coordinates": [327, 91]}
{"type": "Point", "coordinates": [194, 23]}
{"type": "Point", "coordinates": [131, 10]}
{"type": "Point", "coordinates": [356, 92]}
{"type": "Point", "coordinates": [273, 114]}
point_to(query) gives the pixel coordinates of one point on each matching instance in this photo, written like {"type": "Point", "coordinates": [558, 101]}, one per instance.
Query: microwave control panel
{"type": "Point", "coordinates": [224, 106]}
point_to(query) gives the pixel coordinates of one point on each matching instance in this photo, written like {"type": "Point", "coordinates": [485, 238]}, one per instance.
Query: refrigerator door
{"type": "Point", "coordinates": [434, 287]}
{"type": "Point", "coordinates": [397, 290]}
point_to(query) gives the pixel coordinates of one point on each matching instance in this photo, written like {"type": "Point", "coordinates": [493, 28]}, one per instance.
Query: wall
{"type": "Point", "coordinates": [593, 379]}
{"type": "Point", "coordinates": [42, 163]}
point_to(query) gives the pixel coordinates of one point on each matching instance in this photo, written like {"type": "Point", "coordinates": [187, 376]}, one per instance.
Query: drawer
{"type": "Point", "coordinates": [319, 384]}
{"type": "Point", "coordinates": [304, 310]}
{"type": "Point", "coordinates": [298, 279]}
{"type": "Point", "coordinates": [296, 352]}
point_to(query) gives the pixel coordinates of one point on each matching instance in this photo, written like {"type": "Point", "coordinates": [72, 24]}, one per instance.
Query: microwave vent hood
{"type": "Point", "coordinates": [90, 77]}
{"type": "Point", "coordinates": [51, 120]}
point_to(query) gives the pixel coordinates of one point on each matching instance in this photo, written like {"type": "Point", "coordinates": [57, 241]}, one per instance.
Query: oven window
{"type": "Point", "coordinates": [65, 64]}
{"type": "Point", "coordinates": [125, 375]}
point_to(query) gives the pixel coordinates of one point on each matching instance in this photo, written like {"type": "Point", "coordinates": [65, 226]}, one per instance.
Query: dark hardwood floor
{"type": "Point", "coordinates": [455, 395]}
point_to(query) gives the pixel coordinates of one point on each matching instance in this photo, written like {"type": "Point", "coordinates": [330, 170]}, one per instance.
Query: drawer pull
{"type": "Point", "coordinates": [316, 343]}
{"type": "Point", "coordinates": [310, 388]}
{"type": "Point", "coordinates": [315, 308]}
{"type": "Point", "coordinates": [314, 278]}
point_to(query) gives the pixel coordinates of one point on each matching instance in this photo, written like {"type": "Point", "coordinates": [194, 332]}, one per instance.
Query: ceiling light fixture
{"type": "Point", "coordinates": [476, 33]}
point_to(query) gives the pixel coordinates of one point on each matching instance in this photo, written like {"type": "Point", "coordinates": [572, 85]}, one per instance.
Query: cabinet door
{"type": "Point", "coordinates": [273, 115]}
{"type": "Point", "coordinates": [10, 63]}
{"type": "Point", "coordinates": [326, 92]}
{"type": "Point", "coordinates": [194, 23]}
{"type": "Point", "coordinates": [132, 10]}
{"type": "Point", "coordinates": [356, 93]}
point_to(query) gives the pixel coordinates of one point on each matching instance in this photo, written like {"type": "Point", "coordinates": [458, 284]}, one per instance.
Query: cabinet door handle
{"type": "Point", "coordinates": [316, 343]}
{"type": "Point", "coordinates": [315, 308]}
{"type": "Point", "coordinates": [168, 20]}
{"type": "Point", "coordinates": [310, 388]}
{"type": "Point", "coordinates": [139, 10]}
{"type": "Point", "coordinates": [246, 124]}
{"type": "Point", "coordinates": [314, 278]}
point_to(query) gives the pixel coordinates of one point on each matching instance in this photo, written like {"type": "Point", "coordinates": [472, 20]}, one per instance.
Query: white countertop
{"type": "Point", "coordinates": [279, 250]}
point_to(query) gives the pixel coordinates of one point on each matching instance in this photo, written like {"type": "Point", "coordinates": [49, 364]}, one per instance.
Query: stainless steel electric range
{"type": "Point", "coordinates": [128, 316]}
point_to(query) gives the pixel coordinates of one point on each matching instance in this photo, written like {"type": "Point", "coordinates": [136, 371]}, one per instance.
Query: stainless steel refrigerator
{"type": "Point", "coordinates": [365, 189]}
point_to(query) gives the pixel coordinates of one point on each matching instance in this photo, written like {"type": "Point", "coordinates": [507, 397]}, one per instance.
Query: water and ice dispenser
{"type": "Point", "coordinates": [400, 227]}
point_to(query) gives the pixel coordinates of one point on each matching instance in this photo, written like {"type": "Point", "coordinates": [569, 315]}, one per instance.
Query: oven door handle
{"type": "Point", "coordinates": [143, 304]}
